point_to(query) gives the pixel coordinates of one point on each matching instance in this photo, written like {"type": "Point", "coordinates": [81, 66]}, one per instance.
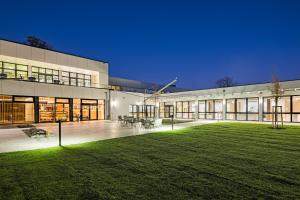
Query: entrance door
{"type": "Point", "coordinates": [89, 112]}
{"type": "Point", "coordinates": [169, 110]}
{"type": "Point", "coordinates": [85, 115]}
{"type": "Point", "coordinates": [93, 112]}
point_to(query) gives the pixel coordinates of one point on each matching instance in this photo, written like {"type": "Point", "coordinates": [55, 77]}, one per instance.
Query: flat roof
{"type": "Point", "coordinates": [57, 51]}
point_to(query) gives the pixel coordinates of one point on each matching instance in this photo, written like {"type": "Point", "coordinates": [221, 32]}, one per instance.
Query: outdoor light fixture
{"type": "Point", "coordinates": [114, 103]}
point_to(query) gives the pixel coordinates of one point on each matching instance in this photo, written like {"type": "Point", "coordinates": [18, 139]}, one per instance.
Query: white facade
{"type": "Point", "coordinates": [249, 102]}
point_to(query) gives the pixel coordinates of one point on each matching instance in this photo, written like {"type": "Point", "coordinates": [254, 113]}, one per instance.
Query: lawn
{"type": "Point", "coordinates": [220, 161]}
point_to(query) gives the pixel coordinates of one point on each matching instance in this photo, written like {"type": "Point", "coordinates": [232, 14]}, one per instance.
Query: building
{"type": "Point", "coordinates": [38, 85]}
{"type": "Point", "coordinates": [122, 84]}
{"type": "Point", "coordinates": [243, 103]}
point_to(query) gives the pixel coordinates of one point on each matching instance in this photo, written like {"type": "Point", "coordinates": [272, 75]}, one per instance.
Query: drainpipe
{"type": "Point", "coordinates": [107, 102]}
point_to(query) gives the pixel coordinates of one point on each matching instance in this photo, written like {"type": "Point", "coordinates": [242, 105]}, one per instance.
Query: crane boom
{"type": "Point", "coordinates": [162, 89]}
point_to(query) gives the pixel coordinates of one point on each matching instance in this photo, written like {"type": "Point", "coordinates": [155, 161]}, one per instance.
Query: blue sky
{"type": "Point", "coordinates": [156, 41]}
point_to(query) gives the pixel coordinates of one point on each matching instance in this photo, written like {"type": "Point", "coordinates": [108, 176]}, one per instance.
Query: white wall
{"type": "Point", "coordinates": [23, 54]}
{"type": "Point", "coordinates": [120, 102]}
{"type": "Point", "coordinates": [26, 88]}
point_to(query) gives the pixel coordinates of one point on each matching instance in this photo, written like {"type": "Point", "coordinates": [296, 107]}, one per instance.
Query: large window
{"type": "Point", "coordinates": [142, 111]}
{"type": "Point", "coordinates": [65, 78]}
{"type": "Point", "coordinates": [185, 109]}
{"type": "Point", "coordinates": [16, 109]}
{"type": "Point", "coordinates": [47, 109]}
{"type": "Point", "coordinates": [44, 75]}
{"type": "Point", "coordinates": [166, 109]}
{"type": "Point", "coordinates": [210, 109]}
{"type": "Point", "coordinates": [284, 102]}
{"type": "Point", "coordinates": [62, 109]}
{"type": "Point", "coordinates": [76, 109]}
{"type": "Point", "coordinates": [101, 109]}
{"type": "Point", "coordinates": [14, 70]}
{"type": "Point", "coordinates": [290, 108]}
{"type": "Point", "coordinates": [296, 109]}
{"type": "Point", "coordinates": [242, 109]}
{"type": "Point", "coordinates": [230, 109]}
{"type": "Point", "coordinates": [76, 79]}
{"type": "Point", "coordinates": [202, 109]}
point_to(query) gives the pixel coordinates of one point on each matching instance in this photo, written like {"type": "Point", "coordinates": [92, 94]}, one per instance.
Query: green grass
{"type": "Point", "coordinates": [220, 161]}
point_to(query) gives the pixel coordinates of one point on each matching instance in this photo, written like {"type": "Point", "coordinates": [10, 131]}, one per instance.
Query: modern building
{"type": "Point", "coordinates": [243, 103]}
{"type": "Point", "coordinates": [38, 85]}
{"type": "Point", "coordinates": [122, 84]}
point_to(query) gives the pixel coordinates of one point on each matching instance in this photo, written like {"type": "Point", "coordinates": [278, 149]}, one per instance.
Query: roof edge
{"type": "Point", "coordinates": [57, 51]}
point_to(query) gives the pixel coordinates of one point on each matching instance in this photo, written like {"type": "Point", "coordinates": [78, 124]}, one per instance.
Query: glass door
{"type": "Point", "coordinates": [169, 110]}
{"type": "Point", "coordinates": [93, 112]}
{"type": "Point", "coordinates": [62, 111]}
{"type": "Point", "coordinates": [85, 112]}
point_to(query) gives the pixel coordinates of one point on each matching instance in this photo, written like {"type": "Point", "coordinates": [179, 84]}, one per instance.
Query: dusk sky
{"type": "Point", "coordinates": [156, 41]}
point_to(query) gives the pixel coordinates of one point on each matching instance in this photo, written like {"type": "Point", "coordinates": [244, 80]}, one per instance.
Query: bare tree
{"type": "Point", "coordinates": [37, 42]}
{"type": "Point", "coordinates": [277, 92]}
{"type": "Point", "coordinates": [225, 82]}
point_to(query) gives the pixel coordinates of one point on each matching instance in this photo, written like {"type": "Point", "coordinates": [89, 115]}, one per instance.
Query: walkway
{"type": "Point", "coordinates": [74, 133]}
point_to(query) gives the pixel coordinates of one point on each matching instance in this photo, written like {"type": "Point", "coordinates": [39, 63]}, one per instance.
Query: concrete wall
{"type": "Point", "coordinates": [26, 88]}
{"type": "Point", "coordinates": [120, 102]}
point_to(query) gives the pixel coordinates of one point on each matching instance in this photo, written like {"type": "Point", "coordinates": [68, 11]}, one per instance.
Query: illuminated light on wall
{"type": "Point", "coordinates": [114, 103]}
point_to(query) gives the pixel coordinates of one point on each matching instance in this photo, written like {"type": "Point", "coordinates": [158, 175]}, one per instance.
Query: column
{"type": "Point", "coordinates": [260, 109]}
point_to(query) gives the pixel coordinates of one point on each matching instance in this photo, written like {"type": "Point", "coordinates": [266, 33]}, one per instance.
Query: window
{"type": "Point", "coordinates": [284, 102]}
{"type": "Point", "coordinates": [101, 109]}
{"type": "Point", "coordinates": [47, 109]}
{"type": "Point", "coordinates": [9, 69]}
{"type": "Point", "coordinates": [76, 109]}
{"type": "Point", "coordinates": [87, 80]}
{"type": "Point", "coordinates": [22, 72]}
{"type": "Point", "coordinates": [66, 78]}
{"type": "Point", "coordinates": [44, 75]}
{"type": "Point", "coordinates": [241, 109]}
{"type": "Point", "coordinates": [185, 109]}
{"type": "Point", "coordinates": [253, 109]}
{"type": "Point", "coordinates": [210, 109]}
{"type": "Point", "coordinates": [219, 109]}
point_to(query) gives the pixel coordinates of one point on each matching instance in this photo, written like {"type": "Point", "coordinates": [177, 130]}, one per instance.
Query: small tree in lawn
{"type": "Point", "coordinates": [277, 92]}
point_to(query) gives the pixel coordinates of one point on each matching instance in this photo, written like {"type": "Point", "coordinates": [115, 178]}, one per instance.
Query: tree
{"type": "Point", "coordinates": [277, 92]}
{"type": "Point", "coordinates": [37, 42]}
{"type": "Point", "coordinates": [225, 82]}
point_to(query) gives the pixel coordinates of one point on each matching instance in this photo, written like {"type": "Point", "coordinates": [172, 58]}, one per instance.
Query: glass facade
{"type": "Point", "coordinates": [290, 108]}
{"type": "Point", "coordinates": [16, 109]}
{"type": "Point", "coordinates": [186, 109]}
{"type": "Point", "coordinates": [12, 70]}
{"type": "Point", "coordinates": [166, 110]}
{"type": "Point", "coordinates": [76, 79]}
{"type": "Point", "coordinates": [44, 75]}
{"type": "Point", "coordinates": [21, 109]}
{"type": "Point", "coordinates": [210, 109]}
{"type": "Point", "coordinates": [142, 111]}
{"type": "Point", "coordinates": [243, 109]}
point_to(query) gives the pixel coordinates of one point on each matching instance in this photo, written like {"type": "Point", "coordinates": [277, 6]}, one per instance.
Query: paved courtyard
{"type": "Point", "coordinates": [15, 139]}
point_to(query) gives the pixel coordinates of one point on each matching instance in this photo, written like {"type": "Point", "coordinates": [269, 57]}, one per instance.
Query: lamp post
{"type": "Point", "coordinates": [172, 119]}
{"type": "Point", "coordinates": [59, 132]}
